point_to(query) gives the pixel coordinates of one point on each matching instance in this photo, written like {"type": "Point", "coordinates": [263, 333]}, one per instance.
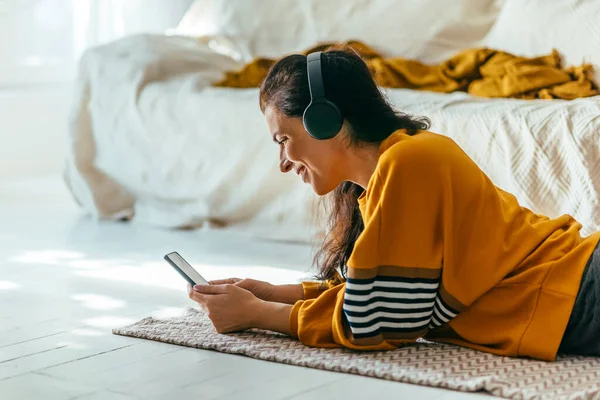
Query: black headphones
{"type": "Point", "coordinates": [322, 119]}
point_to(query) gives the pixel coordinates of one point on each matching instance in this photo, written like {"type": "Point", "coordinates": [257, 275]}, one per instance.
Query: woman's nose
{"type": "Point", "coordinates": [285, 165]}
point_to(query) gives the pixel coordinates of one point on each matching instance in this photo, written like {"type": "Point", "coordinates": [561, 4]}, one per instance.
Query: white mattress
{"type": "Point", "coordinates": [175, 152]}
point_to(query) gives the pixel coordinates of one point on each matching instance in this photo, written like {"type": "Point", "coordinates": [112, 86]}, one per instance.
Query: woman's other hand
{"type": "Point", "coordinates": [262, 290]}
{"type": "Point", "coordinates": [229, 307]}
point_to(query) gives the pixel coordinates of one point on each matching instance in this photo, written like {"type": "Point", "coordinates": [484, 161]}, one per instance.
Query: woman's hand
{"type": "Point", "coordinates": [229, 307]}
{"type": "Point", "coordinates": [288, 294]}
{"type": "Point", "coordinates": [262, 290]}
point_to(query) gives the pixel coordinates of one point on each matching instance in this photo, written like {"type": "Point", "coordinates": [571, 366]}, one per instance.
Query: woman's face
{"type": "Point", "coordinates": [321, 163]}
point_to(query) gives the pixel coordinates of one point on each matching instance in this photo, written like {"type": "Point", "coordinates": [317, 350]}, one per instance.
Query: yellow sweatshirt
{"type": "Point", "coordinates": [447, 256]}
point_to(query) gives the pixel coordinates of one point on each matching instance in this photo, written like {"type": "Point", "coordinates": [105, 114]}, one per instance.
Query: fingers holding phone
{"type": "Point", "coordinates": [230, 308]}
{"type": "Point", "coordinates": [262, 290]}
{"type": "Point", "coordinates": [228, 281]}
{"type": "Point", "coordinates": [266, 291]}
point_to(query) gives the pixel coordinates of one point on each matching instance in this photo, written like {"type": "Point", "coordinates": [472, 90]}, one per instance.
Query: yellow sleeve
{"type": "Point", "coordinates": [314, 289]}
{"type": "Point", "coordinates": [311, 321]}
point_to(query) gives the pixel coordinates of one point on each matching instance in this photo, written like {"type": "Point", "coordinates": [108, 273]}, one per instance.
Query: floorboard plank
{"type": "Point", "coordinates": [35, 386]}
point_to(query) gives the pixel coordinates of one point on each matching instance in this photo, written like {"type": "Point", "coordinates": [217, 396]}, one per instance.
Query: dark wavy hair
{"type": "Point", "coordinates": [370, 117]}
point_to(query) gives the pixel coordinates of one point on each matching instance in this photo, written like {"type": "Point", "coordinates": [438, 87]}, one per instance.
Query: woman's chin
{"type": "Point", "coordinates": [321, 190]}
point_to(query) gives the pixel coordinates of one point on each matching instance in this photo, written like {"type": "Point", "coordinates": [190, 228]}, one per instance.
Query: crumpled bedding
{"type": "Point", "coordinates": [151, 141]}
{"type": "Point", "coordinates": [481, 72]}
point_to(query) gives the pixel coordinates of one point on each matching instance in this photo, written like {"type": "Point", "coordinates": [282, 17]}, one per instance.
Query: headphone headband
{"type": "Point", "coordinates": [315, 76]}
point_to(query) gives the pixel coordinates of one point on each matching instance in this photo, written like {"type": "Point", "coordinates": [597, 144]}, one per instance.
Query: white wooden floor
{"type": "Point", "coordinates": [65, 281]}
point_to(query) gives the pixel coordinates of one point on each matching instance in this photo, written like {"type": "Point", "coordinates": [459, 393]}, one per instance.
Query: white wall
{"type": "Point", "coordinates": [33, 130]}
{"type": "Point", "coordinates": [42, 40]}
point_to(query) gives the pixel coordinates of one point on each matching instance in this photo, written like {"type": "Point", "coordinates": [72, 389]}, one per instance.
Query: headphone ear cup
{"type": "Point", "coordinates": [322, 119]}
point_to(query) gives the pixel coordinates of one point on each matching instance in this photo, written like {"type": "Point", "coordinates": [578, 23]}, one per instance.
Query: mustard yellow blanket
{"type": "Point", "coordinates": [480, 72]}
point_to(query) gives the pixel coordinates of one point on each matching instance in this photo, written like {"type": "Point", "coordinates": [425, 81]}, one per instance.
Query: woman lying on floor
{"type": "Point", "coordinates": [428, 246]}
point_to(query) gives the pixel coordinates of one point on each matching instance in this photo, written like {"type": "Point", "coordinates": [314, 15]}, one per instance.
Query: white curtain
{"type": "Point", "coordinates": [43, 39]}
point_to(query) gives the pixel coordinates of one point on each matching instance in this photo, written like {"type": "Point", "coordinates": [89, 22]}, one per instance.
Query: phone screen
{"type": "Point", "coordinates": [185, 269]}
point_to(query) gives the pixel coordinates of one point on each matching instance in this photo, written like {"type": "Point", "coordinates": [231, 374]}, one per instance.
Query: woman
{"type": "Point", "coordinates": [428, 246]}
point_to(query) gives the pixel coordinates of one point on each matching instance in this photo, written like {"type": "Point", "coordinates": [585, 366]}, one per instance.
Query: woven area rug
{"type": "Point", "coordinates": [424, 363]}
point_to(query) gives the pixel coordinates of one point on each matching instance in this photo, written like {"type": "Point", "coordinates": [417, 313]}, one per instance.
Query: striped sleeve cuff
{"type": "Point", "coordinates": [442, 313]}
{"type": "Point", "coordinates": [391, 305]}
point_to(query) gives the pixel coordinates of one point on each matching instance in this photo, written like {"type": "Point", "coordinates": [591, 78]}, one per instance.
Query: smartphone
{"type": "Point", "coordinates": [185, 269]}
